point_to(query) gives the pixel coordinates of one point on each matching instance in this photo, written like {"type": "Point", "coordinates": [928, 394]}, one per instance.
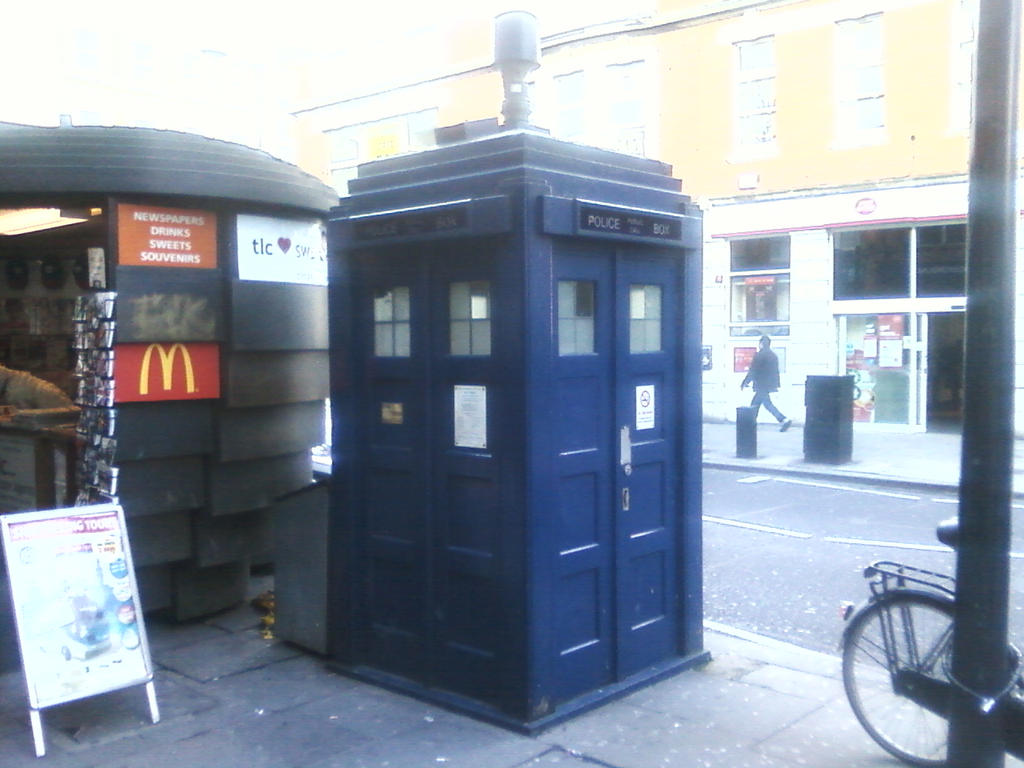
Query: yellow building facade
{"type": "Point", "coordinates": [826, 141]}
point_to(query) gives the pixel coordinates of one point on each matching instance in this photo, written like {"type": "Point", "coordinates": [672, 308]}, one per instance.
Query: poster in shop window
{"type": "Point", "coordinates": [76, 603]}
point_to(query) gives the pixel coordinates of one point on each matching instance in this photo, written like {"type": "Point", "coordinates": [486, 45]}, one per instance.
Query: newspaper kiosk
{"type": "Point", "coordinates": [515, 513]}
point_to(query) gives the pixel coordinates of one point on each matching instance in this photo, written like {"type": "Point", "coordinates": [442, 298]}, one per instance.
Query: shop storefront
{"type": "Point", "coordinates": [173, 288]}
{"type": "Point", "coordinates": [868, 283]}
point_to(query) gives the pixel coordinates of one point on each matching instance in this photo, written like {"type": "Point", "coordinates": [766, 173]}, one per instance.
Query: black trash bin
{"type": "Point", "coordinates": [746, 432]}
{"type": "Point", "coordinates": [828, 424]}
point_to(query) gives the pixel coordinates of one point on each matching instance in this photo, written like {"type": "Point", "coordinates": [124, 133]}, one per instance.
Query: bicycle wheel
{"type": "Point", "coordinates": [905, 631]}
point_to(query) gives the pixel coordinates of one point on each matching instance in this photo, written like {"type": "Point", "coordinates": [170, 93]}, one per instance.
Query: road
{"type": "Point", "coordinates": [782, 553]}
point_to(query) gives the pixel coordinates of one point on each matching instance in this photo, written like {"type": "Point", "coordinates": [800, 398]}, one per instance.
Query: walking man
{"type": "Point", "coordinates": [764, 375]}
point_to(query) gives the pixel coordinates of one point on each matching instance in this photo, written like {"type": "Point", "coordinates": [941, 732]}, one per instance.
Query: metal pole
{"type": "Point", "coordinates": [979, 640]}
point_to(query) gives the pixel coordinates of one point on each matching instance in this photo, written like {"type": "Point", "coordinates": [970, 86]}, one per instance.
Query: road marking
{"type": "Point", "coordinates": [899, 545]}
{"type": "Point", "coordinates": [753, 479]}
{"type": "Point", "coordinates": [832, 486]}
{"type": "Point", "coordinates": [757, 527]}
{"type": "Point", "coordinates": [890, 544]}
{"type": "Point", "coordinates": [957, 501]}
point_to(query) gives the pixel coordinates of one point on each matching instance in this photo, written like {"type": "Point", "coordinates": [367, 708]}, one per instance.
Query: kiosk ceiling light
{"type": "Point", "coordinates": [23, 220]}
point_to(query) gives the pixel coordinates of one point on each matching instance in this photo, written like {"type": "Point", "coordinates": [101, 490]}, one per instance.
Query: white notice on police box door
{"type": "Point", "coordinates": [470, 416]}
{"type": "Point", "coordinates": [645, 407]}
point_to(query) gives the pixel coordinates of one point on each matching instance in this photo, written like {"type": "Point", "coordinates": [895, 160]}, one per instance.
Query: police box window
{"type": "Point", "coordinates": [760, 286]}
{"type": "Point", "coordinates": [469, 307]}
{"type": "Point", "coordinates": [575, 317]}
{"type": "Point", "coordinates": [872, 264]}
{"type": "Point", "coordinates": [391, 324]}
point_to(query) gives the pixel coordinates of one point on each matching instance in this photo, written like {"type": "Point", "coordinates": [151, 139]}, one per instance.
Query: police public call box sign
{"type": "Point", "coordinates": [76, 606]}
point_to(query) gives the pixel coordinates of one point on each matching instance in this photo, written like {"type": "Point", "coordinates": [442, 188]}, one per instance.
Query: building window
{"type": "Point", "coordinates": [860, 82]}
{"type": "Point", "coordinates": [469, 306]}
{"type": "Point", "coordinates": [760, 286]}
{"type": "Point", "coordinates": [964, 38]}
{"type": "Point", "coordinates": [878, 359]}
{"type": "Point", "coordinates": [575, 317]}
{"type": "Point", "coordinates": [755, 93]}
{"type": "Point", "coordinates": [354, 144]}
{"type": "Point", "coordinates": [626, 107]}
{"type": "Point", "coordinates": [872, 264]}
{"type": "Point", "coordinates": [391, 322]}
{"type": "Point", "coordinates": [604, 105]}
{"type": "Point", "coordinates": [942, 260]}
{"type": "Point", "coordinates": [644, 318]}
{"type": "Point", "coordinates": [569, 114]}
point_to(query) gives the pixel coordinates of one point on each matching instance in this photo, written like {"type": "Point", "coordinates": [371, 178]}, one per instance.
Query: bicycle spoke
{"type": "Point", "coordinates": [874, 650]}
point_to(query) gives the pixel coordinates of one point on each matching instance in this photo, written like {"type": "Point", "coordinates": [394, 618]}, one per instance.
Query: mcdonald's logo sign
{"type": "Point", "coordinates": [166, 371]}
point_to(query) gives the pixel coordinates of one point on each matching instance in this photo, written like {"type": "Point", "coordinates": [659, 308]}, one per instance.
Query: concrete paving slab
{"type": "Point", "coordinates": [105, 718]}
{"type": "Point", "coordinates": [791, 682]}
{"type": "Point", "coordinates": [282, 685]}
{"type": "Point", "coordinates": [236, 619]}
{"type": "Point", "coordinates": [226, 655]}
{"type": "Point", "coordinates": [556, 756]}
{"type": "Point", "coordinates": [377, 713]}
{"type": "Point", "coordinates": [164, 635]}
{"type": "Point", "coordinates": [297, 737]}
{"type": "Point", "coordinates": [829, 737]}
{"type": "Point", "coordinates": [444, 743]}
{"type": "Point", "coordinates": [753, 710]}
{"type": "Point", "coordinates": [632, 737]}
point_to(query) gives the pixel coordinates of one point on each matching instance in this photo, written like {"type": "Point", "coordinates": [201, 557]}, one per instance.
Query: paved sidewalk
{"type": "Point", "coordinates": [930, 459]}
{"type": "Point", "coordinates": [230, 698]}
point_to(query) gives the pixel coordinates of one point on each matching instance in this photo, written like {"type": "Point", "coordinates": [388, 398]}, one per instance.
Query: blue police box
{"type": "Point", "coordinates": [515, 511]}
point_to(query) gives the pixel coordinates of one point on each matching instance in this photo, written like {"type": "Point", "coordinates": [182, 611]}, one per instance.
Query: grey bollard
{"type": "Point", "coordinates": [746, 432]}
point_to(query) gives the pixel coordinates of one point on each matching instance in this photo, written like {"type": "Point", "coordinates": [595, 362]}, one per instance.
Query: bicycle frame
{"type": "Point", "coordinates": [931, 691]}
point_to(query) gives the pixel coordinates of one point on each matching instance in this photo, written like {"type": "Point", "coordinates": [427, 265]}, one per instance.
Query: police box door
{"type": "Point", "coordinates": [615, 428]}
{"type": "Point", "coordinates": [431, 438]}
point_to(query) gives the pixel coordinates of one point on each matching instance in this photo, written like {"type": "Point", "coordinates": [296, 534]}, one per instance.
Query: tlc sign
{"type": "Point", "coordinates": [166, 371]}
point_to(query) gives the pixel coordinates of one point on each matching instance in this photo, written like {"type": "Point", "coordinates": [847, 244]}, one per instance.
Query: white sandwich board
{"type": "Point", "coordinates": [76, 606]}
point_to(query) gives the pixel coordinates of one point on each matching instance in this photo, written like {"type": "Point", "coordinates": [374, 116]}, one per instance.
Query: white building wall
{"type": "Point", "coordinates": [813, 346]}
{"type": "Point", "coordinates": [719, 400]}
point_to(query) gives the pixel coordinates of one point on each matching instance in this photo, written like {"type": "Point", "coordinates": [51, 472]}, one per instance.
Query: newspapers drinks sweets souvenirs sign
{"type": "Point", "coordinates": [282, 250]}
{"type": "Point", "coordinates": [76, 606]}
{"type": "Point", "coordinates": [167, 371]}
{"type": "Point", "coordinates": [470, 415]}
{"type": "Point", "coordinates": [166, 237]}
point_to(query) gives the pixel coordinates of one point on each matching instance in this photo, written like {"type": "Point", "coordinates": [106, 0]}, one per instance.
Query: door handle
{"type": "Point", "coordinates": [625, 446]}
{"type": "Point", "coordinates": [625, 499]}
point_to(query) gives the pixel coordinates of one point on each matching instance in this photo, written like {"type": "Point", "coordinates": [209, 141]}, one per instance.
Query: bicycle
{"type": "Point", "coordinates": [897, 653]}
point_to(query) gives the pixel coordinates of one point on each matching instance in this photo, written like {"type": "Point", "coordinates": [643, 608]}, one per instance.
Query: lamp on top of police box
{"type": "Point", "coordinates": [516, 54]}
